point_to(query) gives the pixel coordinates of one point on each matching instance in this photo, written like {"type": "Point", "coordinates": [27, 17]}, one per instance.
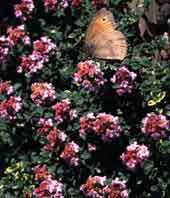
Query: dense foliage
{"type": "Point", "coordinates": [72, 127]}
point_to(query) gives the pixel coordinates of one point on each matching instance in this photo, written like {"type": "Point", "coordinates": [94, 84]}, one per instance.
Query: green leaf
{"type": "Point", "coordinates": [148, 166]}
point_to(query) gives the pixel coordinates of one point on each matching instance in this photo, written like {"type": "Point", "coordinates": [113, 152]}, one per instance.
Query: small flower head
{"type": "Point", "coordinates": [44, 47]}
{"type": "Point", "coordinates": [24, 9]}
{"type": "Point", "coordinates": [54, 137]}
{"type": "Point", "coordinates": [49, 188]}
{"type": "Point", "coordinates": [42, 93]}
{"type": "Point", "coordinates": [104, 125]}
{"type": "Point", "coordinates": [4, 48]}
{"type": "Point", "coordinates": [89, 75]}
{"type": "Point", "coordinates": [41, 172]}
{"type": "Point", "coordinates": [63, 111]}
{"type": "Point", "coordinates": [94, 187]}
{"type": "Point", "coordinates": [50, 5]}
{"type": "Point", "coordinates": [42, 50]}
{"type": "Point", "coordinates": [107, 126]}
{"type": "Point", "coordinates": [45, 125]}
{"type": "Point", "coordinates": [30, 64]}
{"type": "Point", "coordinates": [116, 189]}
{"type": "Point", "coordinates": [155, 125]}
{"type": "Point", "coordinates": [98, 3]}
{"type": "Point", "coordinates": [6, 87]}
{"type": "Point", "coordinates": [135, 155]}
{"type": "Point", "coordinates": [123, 79]}
{"type": "Point", "coordinates": [70, 153]}
{"type": "Point", "coordinates": [86, 124]}
{"type": "Point", "coordinates": [15, 34]}
{"type": "Point", "coordinates": [91, 147]}
{"type": "Point", "coordinates": [10, 107]}
{"type": "Point", "coordinates": [76, 3]}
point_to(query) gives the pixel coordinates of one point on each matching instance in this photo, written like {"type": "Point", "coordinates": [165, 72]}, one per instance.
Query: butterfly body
{"type": "Point", "coordinates": [103, 40]}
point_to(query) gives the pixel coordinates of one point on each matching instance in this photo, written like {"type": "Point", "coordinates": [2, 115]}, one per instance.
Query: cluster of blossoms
{"type": "Point", "coordinates": [70, 153]}
{"type": "Point", "coordinates": [52, 5]}
{"type": "Point", "coordinates": [123, 79]}
{"type": "Point", "coordinates": [30, 64]}
{"type": "Point", "coordinates": [89, 75]}
{"type": "Point", "coordinates": [51, 133]}
{"type": "Point", "coordinates": [45, 125]}
{"type": "Point", "coordinates": [15, 34]}
{"type": "Point", "coordinates": [76, 3]}
{"type": "Point", "coordinates": [42, 93]}
{"type": "Point", "coordinates": [4, 48]}
{"type": "Point", "coordinates": [117, 189]}
{"type": "Point", "coordinates": [48, 186]}
{"type": "Point", "coordinates": [99, 3]}
{"type": "Point", "coordinates": [54, 137]}
{"type": "Point", "coordinates": [9, 107]}
{"type": "Point", "coordinates": [155, 125]}
{"type": "Point", "coordinates": [63, 111]}
{"type": "Point", "coordinates": [42, 49]}
{"type": "Point", "coordinates": [104, 125]}
{"type": "Point", "coordinates": [135, 155]}
{"type": "Point", "coordinates": [6, 87]}
{"type": "Point", "coordinates": [96, 187]}
{"type": "Point", "coordinates": [41, 172]}
{"type": "Point", "coordinates": [91, 147]}
{"type": "Point", "coordinates": [24, 9]}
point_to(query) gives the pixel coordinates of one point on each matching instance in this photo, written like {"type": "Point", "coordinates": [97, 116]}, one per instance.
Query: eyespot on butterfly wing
{"type": "Point", "coordinates": [103, 40]}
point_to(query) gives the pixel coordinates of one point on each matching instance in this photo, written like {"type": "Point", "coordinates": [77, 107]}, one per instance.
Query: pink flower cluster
{"type": "Point", "coordinates": [86, 124]}
{"type": "Point", "coordinates": [48, 186]}
{"type": "Point", "coordinates": [42, 49]}
{"type": "Point", "coordinates": [96, 187]}
{"type": "Point", "coordinates": [63, 111]}
{"type": "Point", "coordinates": [53, 135]}
{"type": "Point", "coordinates": [104, 125]}
{"type": "Point", "coordinates": [99, 3]}
{"type": "Point", "coordinates": [89, 75]}
{"type": "Point", "coordinates": [4, 48]}
{"type": "Point", "coordinates": [30, 64]}
{"type": "Point", "coordinates": [41, 172]}
{"type": "Point", "coordinates": [116, 189]}
{"type": "Point", "coordinates": [155, 125]}
{"type": "Point", "coordinates": [9, 107]}
{"type": "Point", "coordinates": [15, 34]}
{"type": "Point", "coordinates": [123, 79]}
{"type": "Point", "coordinates": [50, 5]}
{"type": "Point", "coordinates": [76, 3]}
{"type": "Point", "coordinates": [45, 125]}
{"type": "Point", "coordinates": [24, 9]}
{"type": "Point", "coordinates": [70, 153]}
{"type": "Point", "coordinates": [42, 93]}
{"type": "Point", "coordinates": [135, 155]}
{"type": "Point", "coordinates": [6, 87]}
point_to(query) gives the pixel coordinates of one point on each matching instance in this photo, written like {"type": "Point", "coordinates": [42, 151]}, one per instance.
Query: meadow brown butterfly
{"type": "Point", "coordinates": [103, 40]}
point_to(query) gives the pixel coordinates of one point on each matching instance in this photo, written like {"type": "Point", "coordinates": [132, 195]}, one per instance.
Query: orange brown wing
{"type": "Point", "coordinates": [112, 46]}
{"type": "Point", "coordinates": [102, 40]}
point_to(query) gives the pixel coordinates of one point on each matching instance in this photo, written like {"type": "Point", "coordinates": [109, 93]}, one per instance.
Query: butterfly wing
{"type": "Point", "coordinates": [112, 46]}
{"type": "Point", "coordinates": [102, 40]}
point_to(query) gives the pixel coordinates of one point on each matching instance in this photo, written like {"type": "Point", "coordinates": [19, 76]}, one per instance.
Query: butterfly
{"type": "Point", "coordinates": [103, 40]}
